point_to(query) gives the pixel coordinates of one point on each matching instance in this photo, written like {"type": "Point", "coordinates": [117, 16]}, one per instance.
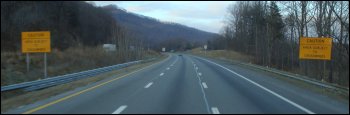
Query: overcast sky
{"type": "Point", "coordinates": [203, 15]}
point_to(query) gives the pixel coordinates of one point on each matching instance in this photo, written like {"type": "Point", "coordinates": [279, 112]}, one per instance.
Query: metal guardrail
{"type": "Point", "coordinates": [296, 76]}
{"type": "Point", "coordinates": [52, 81]}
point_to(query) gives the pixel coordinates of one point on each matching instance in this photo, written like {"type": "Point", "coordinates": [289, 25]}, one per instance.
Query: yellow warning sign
{"type": "Point", "coordinates": [36, 42]}
{"type": "Point", "coordinates": [315, 48]}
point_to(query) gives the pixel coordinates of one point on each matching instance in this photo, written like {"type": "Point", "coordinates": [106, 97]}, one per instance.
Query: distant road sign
{"type": "Point", "coordinates": [109, 47]}
{"type": "Point", "coordinates": [38, 41]}
{"type": "Point", "coordinates": [205, 46]}
{"type": "Point", "coordinates": [163, 49]}
{"type": "Point", "coordinates": [315, 48]}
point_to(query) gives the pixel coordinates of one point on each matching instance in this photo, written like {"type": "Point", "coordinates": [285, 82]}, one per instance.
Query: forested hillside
{"type": "Point", "coordinates": [270, 31]}
{"type": "Point", "coordinates": [70, 23]}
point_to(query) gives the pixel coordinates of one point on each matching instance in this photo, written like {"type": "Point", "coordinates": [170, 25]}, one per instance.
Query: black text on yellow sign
{"type": "Point", "coordinates": [315, 48]}
{"type": "Point", "coordinates": [38, 41]}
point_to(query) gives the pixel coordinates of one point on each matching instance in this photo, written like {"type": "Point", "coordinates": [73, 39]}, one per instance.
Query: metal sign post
{"type": "Point", "coordinates": [205, 49]}
{"type": "Point", "coordinates": [27, 60]}
{"type": "Point", "coordinates": [36, 42]}
{"type": "Point", "coordinates": [317, 49]}
{"type": "Point", "coordinates": [45, 66]}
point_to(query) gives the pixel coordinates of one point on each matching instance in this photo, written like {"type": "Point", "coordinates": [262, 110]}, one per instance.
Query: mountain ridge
{"type": "Point", "coordinates": [156, 31]}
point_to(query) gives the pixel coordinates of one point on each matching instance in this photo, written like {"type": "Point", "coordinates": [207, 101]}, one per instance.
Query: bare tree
{"type": "Point", "coordinates": [251, 28]}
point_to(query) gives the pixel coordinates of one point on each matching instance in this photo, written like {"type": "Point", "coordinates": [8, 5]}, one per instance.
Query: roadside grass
{"type": "Point", "coordinates": [223, 54]}
{"type": "Point", "coordinates": [237, 58]}
{"type": "Point", "coordinates": [34, 96]}
{"type": "Point", "coordinates": [71, 60]}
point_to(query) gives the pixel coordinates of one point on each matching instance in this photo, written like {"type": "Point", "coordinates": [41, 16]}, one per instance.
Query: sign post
{"type": "Point", "coordinates": [315, 48]}
{"type": "Point", "coordinates": [36, 42]}
{"type": "Point", "coordinates": [27, 60]}
{"type": "Point", "coordinates": [45, 65]}
{"type": "Point", "coordinates": [205, 49]}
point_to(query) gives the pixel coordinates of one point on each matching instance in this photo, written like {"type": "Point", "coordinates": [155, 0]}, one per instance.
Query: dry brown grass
{"type": "Point", "coordinates": [223, 54]}
{"type": "Point", "coordinates": [13, 64]}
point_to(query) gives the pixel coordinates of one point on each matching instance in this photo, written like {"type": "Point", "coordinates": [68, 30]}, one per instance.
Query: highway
{"type": "Point", "coordinates": [189, 84]}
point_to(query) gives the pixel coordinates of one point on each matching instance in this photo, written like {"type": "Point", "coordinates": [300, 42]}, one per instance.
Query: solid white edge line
{"type": "Point", "coordinates": [148, 85]}
{"type": "Point", "coordinates": [215, 110]}
{"type": "Point", "coordinates": [204, 85]}
{"type": "Point", "coordinates": [262, 87]}
{"type": "Point", "coordinates": [120, 109]}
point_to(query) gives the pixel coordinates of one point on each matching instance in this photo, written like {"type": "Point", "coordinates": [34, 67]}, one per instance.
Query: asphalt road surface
{"type": "Point", "coordinates": [189, 84]}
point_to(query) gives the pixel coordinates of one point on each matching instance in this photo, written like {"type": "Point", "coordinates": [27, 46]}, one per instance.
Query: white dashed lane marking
{"type": "Point", "coordinates": [149, 85]}
{"type": "Point", "coordinates": [215, 110]}
{"type": "Point", "coordinates": [204, 85]}
{"type": "Point", "coordinates": [120, 109]}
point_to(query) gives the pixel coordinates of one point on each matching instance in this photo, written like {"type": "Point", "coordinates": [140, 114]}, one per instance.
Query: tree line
{"type": "Point", "coordinates": [270, 31]}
